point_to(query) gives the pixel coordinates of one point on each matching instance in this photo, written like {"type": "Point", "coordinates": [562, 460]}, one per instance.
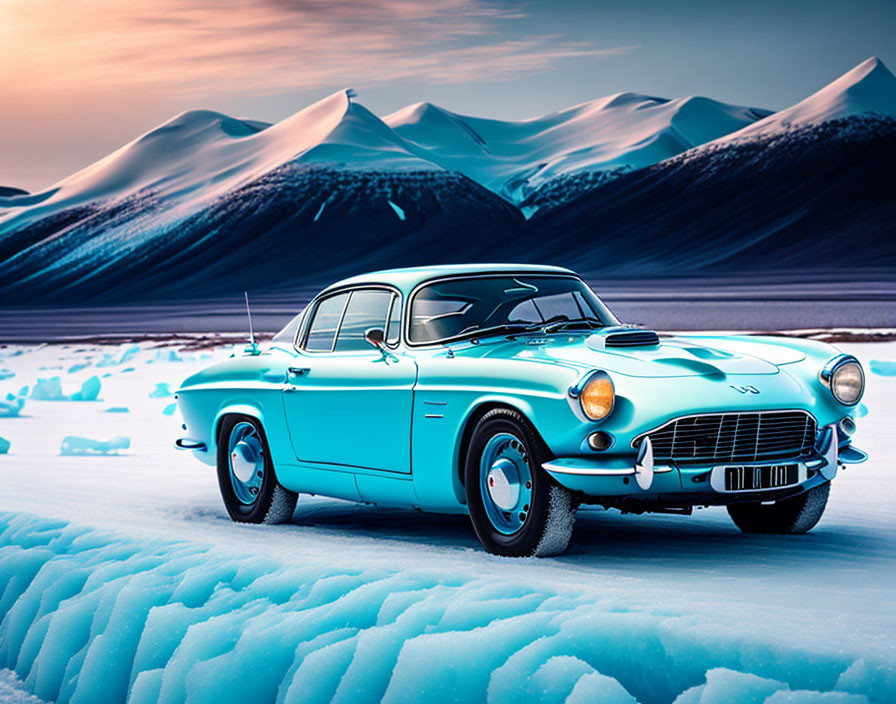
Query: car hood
{"type": "Point", "coordinates": [673, 357]}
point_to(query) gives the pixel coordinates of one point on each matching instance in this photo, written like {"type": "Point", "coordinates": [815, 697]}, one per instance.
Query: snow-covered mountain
{"type": "Point", "coordinates": [207, 203]}
{"type": "Point", "coordinates": [200, 155]}
{"type": "Point", "coordinates": [868, 88]}
{"type": "Point", "coordinates": [619, 132]}
{"type": "Point", "coordinates": [809, 187]}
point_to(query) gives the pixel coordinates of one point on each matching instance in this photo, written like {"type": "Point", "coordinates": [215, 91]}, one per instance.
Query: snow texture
{"type": "Point", "coordinates": [12, 690]}
{"type": "Point", "coordinates": [124, 579]}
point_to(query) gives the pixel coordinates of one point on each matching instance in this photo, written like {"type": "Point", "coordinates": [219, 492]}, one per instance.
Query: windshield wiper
{"type": "Point", "coordinates": [560, 324]}
{"type": "Point", "coordinates": [504, 328]}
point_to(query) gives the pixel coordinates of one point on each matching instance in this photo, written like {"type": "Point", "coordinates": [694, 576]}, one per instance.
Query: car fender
{"type": "Point", "coordinates": [251, 409]}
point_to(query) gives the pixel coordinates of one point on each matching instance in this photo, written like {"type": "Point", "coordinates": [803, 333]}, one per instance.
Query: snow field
{"type": "Point", "coordinates": [121, 578]}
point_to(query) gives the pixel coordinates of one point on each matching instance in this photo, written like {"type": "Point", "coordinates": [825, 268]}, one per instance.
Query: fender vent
{"type": "Point", "coordinates": [632, 338]}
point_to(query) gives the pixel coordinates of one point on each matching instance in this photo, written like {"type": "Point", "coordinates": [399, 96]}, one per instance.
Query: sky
{"type": "Point", "coordinates": [80, 78]}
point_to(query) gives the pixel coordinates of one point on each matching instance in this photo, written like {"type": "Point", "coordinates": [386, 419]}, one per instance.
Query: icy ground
{"type": "Point", "coordinates": [121, 578]}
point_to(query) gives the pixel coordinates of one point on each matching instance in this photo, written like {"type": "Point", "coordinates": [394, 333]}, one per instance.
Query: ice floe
{"type": "Point", "coordinates": [75, 445]}
{"type": "Point", "coordinates": [51, 390]}
{"type": "Point", "coordinates": [11, 406]}
{"type": "Point", "coordinates": [162, 390]}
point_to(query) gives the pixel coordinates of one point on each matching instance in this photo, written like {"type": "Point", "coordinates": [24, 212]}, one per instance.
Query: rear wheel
{"type": "Point", "coordinates": [516, 508]}
{"type": "Point", "coordinates": [795, 515]}
{"type": "Point", "coordinates": [246, 475]}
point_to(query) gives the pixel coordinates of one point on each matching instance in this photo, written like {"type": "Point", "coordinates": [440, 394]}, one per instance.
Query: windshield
{"type": "Point", "coordinates": [464, 306]}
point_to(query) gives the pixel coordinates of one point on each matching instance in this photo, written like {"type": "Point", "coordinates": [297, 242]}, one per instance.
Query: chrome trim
{"type": "Point", "coordinates": [311, 308]}
{"type": "Point", "coordinates": [636, 441]}
{"type": "Point", "coordinates": [827, 373]}
{"type": "Point", "coordinates": [644, 465]}
{"type": "Point", "coordinates": [189, 444]}
{"type": "Point", "coordinates": [552, 466]}
{"type": "Point", "coordinates": [406, 326]}
{"type": "Point", "coordinates": [852, 455]}
{"type": "Point", "coordinates": [719, 413]}
{"type": "Point", "coordinates": [830, 451]}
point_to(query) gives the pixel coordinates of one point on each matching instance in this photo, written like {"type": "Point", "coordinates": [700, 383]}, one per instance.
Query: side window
{"type": "Point", "coordinates": [366, 309]}
{"type": "Point", "coordinates": [393, 330]}
{"type": "Point", "coordinates": [326, 320]}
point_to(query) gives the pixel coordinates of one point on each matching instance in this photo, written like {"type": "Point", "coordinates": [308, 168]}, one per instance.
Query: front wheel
{"type": "Point", "coordinates": [798, 514]}
{"type": "Point", "coordinates": [246, 476]}
{"type": "Point", "coordinates": [516, 508]}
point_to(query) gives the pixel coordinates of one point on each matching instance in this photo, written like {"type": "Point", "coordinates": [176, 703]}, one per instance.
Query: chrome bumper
{"type": "Point", "coordinates": [572, 470]}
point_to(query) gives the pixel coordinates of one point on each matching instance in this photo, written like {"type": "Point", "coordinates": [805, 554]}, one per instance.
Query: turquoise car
{"type": "Point", "coordinates": [511, 393]}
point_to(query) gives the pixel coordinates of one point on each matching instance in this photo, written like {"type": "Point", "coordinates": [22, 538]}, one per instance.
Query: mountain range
{"type": "Point", "coordinates": [626, 185]}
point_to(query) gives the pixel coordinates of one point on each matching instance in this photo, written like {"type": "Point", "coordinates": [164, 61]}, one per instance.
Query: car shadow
{"type": "Point", "coordinates": [706, 540]}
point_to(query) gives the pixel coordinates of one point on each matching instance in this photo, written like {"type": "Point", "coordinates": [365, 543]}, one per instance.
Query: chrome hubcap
{"type": "Point", "coordinates": [506, 483]}
{"type": "Point", "coordinates": [246, 460]}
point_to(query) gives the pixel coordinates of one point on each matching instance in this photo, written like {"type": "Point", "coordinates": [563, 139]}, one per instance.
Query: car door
{"type": "Point", "coordinates": [346, 402]}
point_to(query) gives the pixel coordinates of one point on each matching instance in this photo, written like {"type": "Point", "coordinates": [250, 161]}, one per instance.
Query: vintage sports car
{"type": "Point", "coordinates": [513, 394]}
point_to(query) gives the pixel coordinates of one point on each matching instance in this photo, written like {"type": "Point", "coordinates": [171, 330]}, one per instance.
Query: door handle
{"type": "Point", "coordinates": [298, 371]}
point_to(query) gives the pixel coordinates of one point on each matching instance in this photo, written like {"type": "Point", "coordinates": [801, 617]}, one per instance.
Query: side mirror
{"type": "Point", "coordinates": [376, 337]}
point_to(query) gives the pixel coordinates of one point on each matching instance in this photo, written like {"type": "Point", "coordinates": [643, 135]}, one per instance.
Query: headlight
{"type": "Point", "coordinates": [846, 380]}
{"type": "Point", "coordinates": [596, 395]}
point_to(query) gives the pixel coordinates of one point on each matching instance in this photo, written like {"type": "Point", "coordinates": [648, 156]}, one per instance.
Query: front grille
{"type": "Point", "coordinates": [734, 437]}
{"type": "Point", "coordinates": [753, 478]}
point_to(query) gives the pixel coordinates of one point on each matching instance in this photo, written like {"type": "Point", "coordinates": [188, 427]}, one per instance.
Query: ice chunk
{"type": "Point", "coordinates": [4, 446]}
{"type": "Point", "coordinates": [78, 367]}
{"type": "Point", "coordinates": [11, 407]}
{"type": "Point", "coordinates": [48, 390]}
{"type": "Point", "coordinates": [169, 409]}
{"type": "Point", "coordinates": [90, 389]}
{"type": "Point", "coordinates": [161, 391]}
{"type": "Point", "coordinates": [74, 445]}
{"type": "Point", "coordinates": [51, 390]}
{"type": "Point", "coordinates": [118, 409]}
{"type": "Point", "coordinates": [112, 360]}
{"type": "Point", "coordinates": [23, 391]}
{"type": "Point", "coordinates": [6, 374]}
{"type": "Point", "coordinates": [883, 367]}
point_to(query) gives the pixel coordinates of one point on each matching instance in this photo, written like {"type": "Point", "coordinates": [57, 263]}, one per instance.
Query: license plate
{"type": "Point", "coordinates": [752, 478]}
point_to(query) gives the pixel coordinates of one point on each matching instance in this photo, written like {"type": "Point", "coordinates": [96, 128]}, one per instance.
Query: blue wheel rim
{"type": "Point", "coordinates": [505, 483]}
{"type": "Point", "coordinates": [245, 459]}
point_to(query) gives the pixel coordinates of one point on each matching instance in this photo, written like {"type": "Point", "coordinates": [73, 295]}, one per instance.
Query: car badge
{"type": "Point", "coordinates": [745, 389]}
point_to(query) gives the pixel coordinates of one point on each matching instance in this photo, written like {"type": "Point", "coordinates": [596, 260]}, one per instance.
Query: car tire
{"type": "Point", "coordinates": [259, 499]}
{"type": "Point", "coordinates": [798, 514]}
{"type": "Point", "coordinates": [541, 519]}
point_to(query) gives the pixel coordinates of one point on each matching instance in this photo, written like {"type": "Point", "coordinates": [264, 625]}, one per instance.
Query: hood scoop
{"type": "Point", "coordinates": [630, 337]}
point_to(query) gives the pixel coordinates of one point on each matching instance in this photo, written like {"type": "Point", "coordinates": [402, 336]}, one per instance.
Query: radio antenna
{"type": "Point", "coordinates": [251, 330]}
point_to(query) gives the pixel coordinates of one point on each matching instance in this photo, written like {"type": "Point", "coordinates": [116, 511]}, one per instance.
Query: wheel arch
{"type": "Point", "coordinates": [234, 409]}
{"type": "Point", "coordinates": [473, 416]}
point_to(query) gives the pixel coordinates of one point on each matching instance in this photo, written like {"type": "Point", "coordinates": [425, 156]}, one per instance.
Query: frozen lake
{"type": "Point", "coordinates": [124, 576]}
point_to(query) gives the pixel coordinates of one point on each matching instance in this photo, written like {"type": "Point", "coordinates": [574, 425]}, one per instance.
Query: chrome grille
{"type": "Point", "coordinates": [733, 437]}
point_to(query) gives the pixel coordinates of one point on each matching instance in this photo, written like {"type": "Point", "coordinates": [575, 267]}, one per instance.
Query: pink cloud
{"type": "Point", "coordinates": [268, 46]}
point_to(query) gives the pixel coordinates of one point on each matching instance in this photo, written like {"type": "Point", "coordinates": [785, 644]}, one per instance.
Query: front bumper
{"type": "Point", "coordinates": [642, 478]}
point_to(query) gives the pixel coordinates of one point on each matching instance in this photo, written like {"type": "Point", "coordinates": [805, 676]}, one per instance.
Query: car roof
{"type": "Point", "coordinates": [405, 280]}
